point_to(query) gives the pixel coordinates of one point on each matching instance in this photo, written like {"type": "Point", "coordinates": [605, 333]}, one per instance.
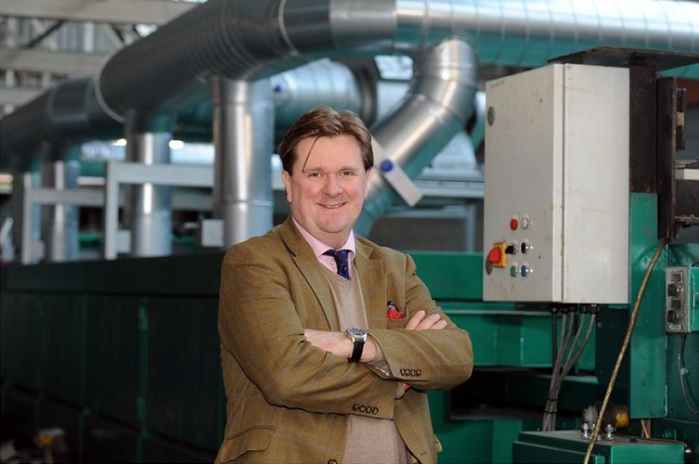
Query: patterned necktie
{"type": "Point", "coordinates": [341, 261]}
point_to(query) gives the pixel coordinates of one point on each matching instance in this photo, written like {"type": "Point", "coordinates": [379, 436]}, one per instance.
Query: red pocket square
{"type": "Point", "coordinates": [392, 312]}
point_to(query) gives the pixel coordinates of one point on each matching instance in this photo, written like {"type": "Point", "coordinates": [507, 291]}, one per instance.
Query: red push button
{"type": "Point", "coordinates": [497, 256]}
{"type": "Point", "coordinates": [514, 223]}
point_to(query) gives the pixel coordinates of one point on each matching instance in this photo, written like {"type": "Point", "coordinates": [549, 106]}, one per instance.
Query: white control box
{"type": "Point", "coordinates": [557, 186]}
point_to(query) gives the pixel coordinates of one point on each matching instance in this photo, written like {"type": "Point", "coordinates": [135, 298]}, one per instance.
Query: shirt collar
{"type": "Point", "coordinates": [319, 247]}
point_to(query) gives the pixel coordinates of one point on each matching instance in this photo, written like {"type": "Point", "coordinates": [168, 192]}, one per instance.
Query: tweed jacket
{"type": "Point", "coordinates": [287, 400]}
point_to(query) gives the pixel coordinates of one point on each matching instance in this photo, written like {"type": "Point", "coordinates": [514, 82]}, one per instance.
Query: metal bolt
{"type": "Point", "coordinates": [586, 430]}
{"type": "Point", "coordinates": [609, 429]}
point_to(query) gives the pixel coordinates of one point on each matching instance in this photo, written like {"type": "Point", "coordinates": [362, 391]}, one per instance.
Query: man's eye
{"type": "Point", "coordinates": [347, 173]}
{"type": "Point", "coordinates": [314, 175]}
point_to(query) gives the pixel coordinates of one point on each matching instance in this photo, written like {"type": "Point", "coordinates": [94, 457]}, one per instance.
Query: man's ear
{"type": "Point", "coordinates": [286, 179]}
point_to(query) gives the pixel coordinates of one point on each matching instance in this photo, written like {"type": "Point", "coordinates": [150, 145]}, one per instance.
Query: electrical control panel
{"type": "Point", "coordinates": [682, 299]}
{"type": "Point", "coordinates": [557, 186]}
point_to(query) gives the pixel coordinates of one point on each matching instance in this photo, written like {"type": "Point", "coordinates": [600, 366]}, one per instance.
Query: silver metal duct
{"type": "Point", "coordinates": [248, 39]}
{"type": "Point", "coordinates": [60, 222]}
{"type": "Point", "coordinates": [243, 137]}
{"type": "Point", "coordinates": [252, 39]}
{"type": "Point", "coordinates": [67, 113]}
{"type": "Point", "coordinates": [323, 81]}
{"type": "Point", "coordinates": [148, 211]}
{"type": "Point", "coordinates": [434, 111]}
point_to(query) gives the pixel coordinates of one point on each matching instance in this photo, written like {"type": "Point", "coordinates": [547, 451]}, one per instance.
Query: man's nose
{"type": "Point", "coordinates": [332, 185]}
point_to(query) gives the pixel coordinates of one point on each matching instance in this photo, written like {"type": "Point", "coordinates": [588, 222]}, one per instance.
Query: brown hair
{"type": "Point", "coordinates": [323, 121]}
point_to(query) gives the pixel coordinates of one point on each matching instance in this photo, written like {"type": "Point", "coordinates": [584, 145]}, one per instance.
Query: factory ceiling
{"type": "Point", "coordinates": [38, 48]}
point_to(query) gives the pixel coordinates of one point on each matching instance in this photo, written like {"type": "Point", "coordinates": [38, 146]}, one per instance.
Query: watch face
{"type": "Point", "coordinates": [356, 332]}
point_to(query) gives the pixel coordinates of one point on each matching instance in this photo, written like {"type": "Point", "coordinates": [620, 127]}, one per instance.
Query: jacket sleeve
{"type": "Point", "coordinates": [262, 316]}
{"type": "Point", "coordinates": [426, 359]}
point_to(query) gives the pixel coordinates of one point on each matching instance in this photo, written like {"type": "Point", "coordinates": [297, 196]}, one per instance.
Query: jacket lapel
{"type": "Point", "coordinates": [310, 269]}
{"type": "Point", "coordinates": [373, 281]}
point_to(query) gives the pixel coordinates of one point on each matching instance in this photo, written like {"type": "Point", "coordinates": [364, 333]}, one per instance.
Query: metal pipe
{"type": "Point", "coordinates": [434, 111]}
{"type": "Point", "coordinates": [300, 89]}
{"type": "Point", "coordinates": [27, 230]}
{"type": "Point", "coordinates": [243, 135]}
{"type": "Point", "coordinates": [59, 226]}
{"type": "Point", "coordinates": [148, 214]}
{"type": "Point", "coordinates": [248, 40]}
{"type": "Point", "coordinates": [251, 39]}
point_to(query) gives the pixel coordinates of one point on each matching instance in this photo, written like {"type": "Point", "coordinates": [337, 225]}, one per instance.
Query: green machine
{"type": "Point", "coordinates": [583, 203]}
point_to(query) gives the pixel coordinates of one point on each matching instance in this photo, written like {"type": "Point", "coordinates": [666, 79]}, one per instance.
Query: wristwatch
{"type": "Point", "coordinates": [358, 337]}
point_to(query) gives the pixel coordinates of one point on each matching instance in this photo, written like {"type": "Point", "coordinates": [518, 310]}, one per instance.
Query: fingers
{"type": "Point", "coordinates": [428, 322]}
{"type": "Point", "coordinates": [420, 322]}
{"type": "Point", "coordinates": [415, 320]}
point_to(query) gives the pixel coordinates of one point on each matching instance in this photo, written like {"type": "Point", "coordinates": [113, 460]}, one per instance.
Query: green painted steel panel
{"type": "Point", "coordinates": [462, 441]}
{"type": "Point", "coordinates": [685, 430]}
{"type": "Point", "coordinates": [151, 356]}
{"type": "Point", "coordinates": [113, 366]}
{"type": "Point", "coordinates": [507, 338]}
{"type": "Point", "coordinates": [647, 365]}
{"type": "Point", "coordinates": [504, 433]}
{"type": "Point", "coordinates": [172, 275]}
{"type": "Point", "coordinates": [62, 346]}
{"type": "Point", "coordinates": [569, 447]}
{"type": "Point", "coordinates": [20, 325]}
{"type": "Point", "coordinates": [504, 337]}
{"type": "Point", "coordinates": [451, 276]}
{"type": "Point", "coordinates": [523, 388]}
{"type": "Point", "coordinates": [679, 386]}
{"type": "Point", "coordinates": [184, 399]}
{"type": "Point", "coordinates": [531, 453]}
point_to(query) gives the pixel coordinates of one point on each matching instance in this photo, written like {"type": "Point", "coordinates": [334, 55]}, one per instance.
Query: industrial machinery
{"type": "Point", "coordinates": [572, 224]}
{"type": "Point", "coordinates": [583, 307]}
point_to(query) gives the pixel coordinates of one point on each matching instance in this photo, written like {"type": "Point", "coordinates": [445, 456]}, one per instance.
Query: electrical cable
{"type": "Point", "coordinates": [549, 410]}
{"type": "Point", "coordinates": [573, 358]}
{"type": "Point", "coordinates": [682, 371]}
{"type": "Point", "coordinates": [574, 354]}
{"type": "Point", "coordinates": [556, 365]}
{"type": "Point", "coordinates": [622, 351]}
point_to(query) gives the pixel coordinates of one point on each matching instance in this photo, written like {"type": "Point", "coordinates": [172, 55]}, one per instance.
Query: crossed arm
{"type": "Point", "coordinates": [341, 346]}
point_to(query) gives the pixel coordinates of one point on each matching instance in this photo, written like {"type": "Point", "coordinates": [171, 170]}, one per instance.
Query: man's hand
{"type": "Point", "coordinates": [339, 344]}
{"type": "Point", "coordinates": [420, 322]}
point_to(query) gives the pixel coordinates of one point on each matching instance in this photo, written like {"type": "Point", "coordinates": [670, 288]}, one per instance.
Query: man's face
{"type": "Point", "coordinates": [328, 187]}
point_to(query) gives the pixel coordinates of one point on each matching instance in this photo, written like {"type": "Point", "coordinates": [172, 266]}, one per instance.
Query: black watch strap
{"type": "Point", "coordinates": [357, 351]}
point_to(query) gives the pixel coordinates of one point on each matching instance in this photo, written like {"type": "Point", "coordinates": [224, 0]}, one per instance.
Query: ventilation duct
{"type": "Point", "coordinates": [253, 39]}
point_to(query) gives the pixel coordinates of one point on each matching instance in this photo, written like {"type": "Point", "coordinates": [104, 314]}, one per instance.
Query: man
{"type": "Point", "coordinates": [320, 367]}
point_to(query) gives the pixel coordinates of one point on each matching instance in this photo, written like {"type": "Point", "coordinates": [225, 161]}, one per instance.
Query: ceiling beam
{"type": "Point", "coordinates": [55, 62]}
{"type": "Point", "coordinates": [104, 11]}
{"type": "Point", "coordinates": [18, 96]}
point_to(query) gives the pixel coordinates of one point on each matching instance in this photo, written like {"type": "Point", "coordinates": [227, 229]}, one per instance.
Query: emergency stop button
{"type": "Point", "coordinates": [497, 256]}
